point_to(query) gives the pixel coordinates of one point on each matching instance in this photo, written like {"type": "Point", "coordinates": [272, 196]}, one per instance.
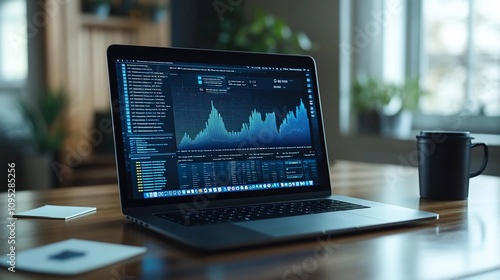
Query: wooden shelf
{"type": "Point", "coordinates": [114, 22]}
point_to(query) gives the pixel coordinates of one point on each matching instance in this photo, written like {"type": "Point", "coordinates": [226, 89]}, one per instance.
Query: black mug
{"type": "Point", "coordinates": [444, 164]}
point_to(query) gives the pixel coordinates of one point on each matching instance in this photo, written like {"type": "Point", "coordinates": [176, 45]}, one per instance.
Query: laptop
{"type": "Point", "coordinates": [220, 150]}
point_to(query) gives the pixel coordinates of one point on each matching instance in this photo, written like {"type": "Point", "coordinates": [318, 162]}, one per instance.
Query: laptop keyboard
{"type": "Point", "coordinates": [258, 212]}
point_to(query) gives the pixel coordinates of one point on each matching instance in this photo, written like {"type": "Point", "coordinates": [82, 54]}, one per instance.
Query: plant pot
{"type": "Point", "coordinates": [375, 123]}
{"type": "Point", "coordinates": [35, 172]}
{"type": "Point", "coordinates": [158, 14]}
{"type": "Point", "coordinates": [369, 123]}
{"type": "Point", "coordinates": [101, 11]}
{"type": "Point", "coordinates": [396, 126]}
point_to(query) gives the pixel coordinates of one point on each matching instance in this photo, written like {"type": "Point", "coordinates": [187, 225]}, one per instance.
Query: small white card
{"type": "Point", "coordinates": [56, 212]}
{"type": "Point", "coordinates": [72, 256]}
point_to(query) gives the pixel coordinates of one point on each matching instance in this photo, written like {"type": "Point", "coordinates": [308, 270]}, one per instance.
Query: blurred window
{"type": "Point", "coordinates": [452, 46]}
{"type": "Point", "coordinates": [461, 57]}
{"type": "Point", "coordinates": [14, 43]}
{"type": "Point", "coordinates": [13, 68]}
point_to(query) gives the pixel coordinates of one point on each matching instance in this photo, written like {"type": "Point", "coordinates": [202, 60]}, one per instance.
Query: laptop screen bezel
{"type": "Point", "coordinates": [181, 55]}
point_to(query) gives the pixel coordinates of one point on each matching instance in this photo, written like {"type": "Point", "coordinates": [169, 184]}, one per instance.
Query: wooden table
{"type": "Point", "coordinates": [465, 241]}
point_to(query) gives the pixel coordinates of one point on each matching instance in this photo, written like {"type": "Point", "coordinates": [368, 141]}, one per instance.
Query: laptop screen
{"type": "Point", "coordinates": [214, 128]}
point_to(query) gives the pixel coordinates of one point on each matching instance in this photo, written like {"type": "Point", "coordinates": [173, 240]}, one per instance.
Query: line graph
{"type": "Point", "coordinates": [262, 131]}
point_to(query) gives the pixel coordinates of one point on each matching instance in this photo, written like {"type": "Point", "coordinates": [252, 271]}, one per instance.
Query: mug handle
{"type": "Point", "coordinates": [485, 159]}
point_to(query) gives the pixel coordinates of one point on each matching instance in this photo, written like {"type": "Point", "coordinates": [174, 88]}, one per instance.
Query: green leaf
{"type": "Point", "coordinates": [44, 118]}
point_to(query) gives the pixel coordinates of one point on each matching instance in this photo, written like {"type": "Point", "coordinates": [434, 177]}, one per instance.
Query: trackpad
{"type": "Point", "coordinates": [309, 224]}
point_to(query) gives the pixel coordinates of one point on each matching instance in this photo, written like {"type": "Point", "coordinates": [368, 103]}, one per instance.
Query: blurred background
{"type": "Point", "coordinates": [387, 69]}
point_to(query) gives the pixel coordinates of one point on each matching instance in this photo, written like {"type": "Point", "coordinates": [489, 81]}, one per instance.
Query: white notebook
{"type": "Point", "coordinates": [56, 212]}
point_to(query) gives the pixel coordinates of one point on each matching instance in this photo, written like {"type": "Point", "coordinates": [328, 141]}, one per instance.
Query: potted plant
{"type": "Point", "coordinates": [369, 96]}
{"type": "Point", "coordinates": [100, 8]}
{"type": "Point", "coordinates": [45, 121]}
{"type": "Point", "coordinates": [385, 108]}
{"type": "Point", "coordinates": [263, 33]}
{"type": "Point", "coordinates": [158, 10]}
{"type": "Point", "coordinates": [397, 117]}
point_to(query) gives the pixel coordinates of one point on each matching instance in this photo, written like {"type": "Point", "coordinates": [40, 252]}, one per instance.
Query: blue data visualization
{"type": "Point", "coordinates": [257, 133]}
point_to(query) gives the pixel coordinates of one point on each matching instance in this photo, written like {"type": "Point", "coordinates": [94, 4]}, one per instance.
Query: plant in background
{"type": "Point", "coordinates": [158, 10]}
{"type": "Point", "coordinates": [100, 8]}
{"type": "Point", "coordinates": [384, 107]}
{"type": "Point", "coordinates": [369, 94]}
{"type": "Point", "coordinates": [44, 117]}
{"type": "Point", "coordinates": [263, 33]}
{"type": "Point", "coordinates": [410, 93]}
